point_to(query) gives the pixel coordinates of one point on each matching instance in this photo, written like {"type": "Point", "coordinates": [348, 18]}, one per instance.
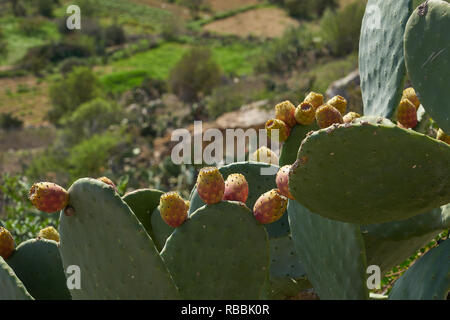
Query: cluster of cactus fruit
{"type": "Point", "coordinates": [347, 192]}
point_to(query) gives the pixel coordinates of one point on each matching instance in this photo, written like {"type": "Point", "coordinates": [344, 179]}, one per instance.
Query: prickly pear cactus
{"type": "Point", "coordinates": [221, 252]}
{"type": "Point", "coordinates": [370, 172]}
{"type": "Point", "coordinates": [426, 279]}
{"type": "Point", "coordinates": [161, 230]}
{"type": "Point", "coordinates": [11, 288]}
{"type": "Point", "coordinates": [37, 263]}
{"type": "Point", "coordinates": [116, 257]}
{"type": "Point", "coordinates": [381, 59]}
{"type": "Point", "coordinates": [427, 55]}
{"type": "Point", "coordinates": [290, 147]}
{"type": "Point", "coordinates": [332, 253]}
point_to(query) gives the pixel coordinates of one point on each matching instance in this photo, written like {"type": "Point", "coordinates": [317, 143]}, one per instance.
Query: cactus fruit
{"type": "Point", "coordinates": [349, 117]}
{"type": "Point", "coordinates": [108, 181]}
{"type": "Point", "coordinates": [283, 129]}
{"type": "Point", "coordinates": [264, 155]}
{"type": "Point", "coordinates": [7, 243]}
{"type": "Point", "coordinates": [315, 99]}
{"type": "Point", "coordinates": [282, 180]}
{"type": "Point", "coordinates": [236, 188]}
{"type": "Point", "coordinates": [442, 136]}
{"type": "Point", "coordinates": [48, 197]}
{"type": "Point", "coordinates": [339, 103]}
{"type": "Point", "coordinates": [49, 233]}
{"type": "Point", "coordinates": [410, 94]}
{"type": "Point", "coordinates": [327, 115]}
{"type": "Point", "coordinates": [407, 114]}
{"type": "Point", "coordinates": [284, 111]}
{"type": "Point", "coordinates": [173, 209]}
{"type": "Point", "coordinates": [305, 114]}
{"type": "Point", "coordinates": [210, 185]}
{"type": "Point", "coordinates": [270, 207]}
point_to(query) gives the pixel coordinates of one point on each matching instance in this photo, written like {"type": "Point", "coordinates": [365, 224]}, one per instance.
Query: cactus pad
{"type": "Point", "coordinates": [332, 253]}
{"type": "Point", "coordinates": [428, 278]}
{"type": "Point", "coordinates": [381, 59]}
{"type": "Point", "coordinates": [116, 257]}
{"type": "Point", "coordinates": [221, 252]}
{"type": "Point", "coordinates": [290, 147]}
{"type": "Point", "coordinates": [37, 263]}
{"type": "Point", "coordinates": [373, 170]}
{"type": "Point", "coordinates": [427, 55]}
{"type": "Point", "coordinates": [11, 287]}
{"type": "Point", "coordinates": [161, 230]}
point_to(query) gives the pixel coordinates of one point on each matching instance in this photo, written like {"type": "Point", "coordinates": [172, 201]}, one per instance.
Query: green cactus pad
{"type": "Point", "coordinates": [332, 253]}
{"type": "Point", "coordinates": [38, 265]}
{"type": "Point", "coordinates": [427, 279]}
{"type": "Point", "coordinates": [427, 55]}
{"type": "Point", "coordinates": [116, 257]}
{"type": "Point", "coordinates": [287, 274]}
{"type": "Point", "coordinates": [221, 252]}
{"type": "Point", "coordinates": [290, 147]}
{"type": "Point", "coordinates": [371, 172]}
{"type": "Point", "coordinates": [258, 184]}
{"type": "Point", "coordinates": [11, 288]}
{"type": "Point", "coordinates": [161, 230]}
{"type": "Point", "coordinates": [143, 202]}
{"type": "Point", "coordinates": [381, 59]}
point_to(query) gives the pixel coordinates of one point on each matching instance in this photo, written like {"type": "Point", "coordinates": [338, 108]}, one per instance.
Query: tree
{"type": "Point", "coordinates": [194, 6]}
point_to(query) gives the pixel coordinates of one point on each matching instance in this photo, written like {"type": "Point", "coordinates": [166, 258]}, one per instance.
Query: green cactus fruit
{"type": "Point", "coordinates": [428, 278]}
{"type": "Point", "coordinates": [327, 115]}
{"type": "Point", "coordinates": [37, 263]}
{"type": "Point", "coordinates": [260, 178]}
{"type": "Point", "coordinates": [236, 188]}
{"type": "Point", "coordinates": [49, 233]}
{"type": "Point", "coordinates": [339, 103]}
{"type": "Point", "coordinates": [210, 185]}
{"type": "Point", "coordinates": [285, 111]}
{"type": "Point", "coordinates": [442, 136]}
{"type": "Point", "coordinates": [48, 197]}
{"type": "Point", "coordinates": [117, 258]}
{"type": "Point", "coordinates": [381, 58]}
{"type": "Point", "coordinates": [372, 169]}
{"type": "Point", "coordinates": [407, 114]}
{"type": "Point", "coordinates": [161, 230]}
{"type": "Point", "coordinates": [410, 94]}
{"type": "Point", "coordinates": [108, 181]}
{"type": "Point", "coordinates": [231, 255]}
{"type": "Point", "coordinates": [11, 287]}
{"type": "Point", "coordinates": [270, 207]}
{"type": "Point", "coordinates": [428, 58]}
{"type": "Point", "coordinates": [349, 117]}
{"type": "Point", "coordinates": [331, 252]}
{"type": "Point", "coordinates": [282, 181]}
{"type": "Point", "coordinates": [290, 147]}
{"type": "Point", "coordinates": [305, 114]}
{"type": "Point", "coordinates": [173, 209]}
{"type": "Point", "coordinates": [143, 202]}
{"type": "Point", "coordinates": [264, 155]}
{"type": "Point", "coordinates": [7, 244]}
{"type": "Point", "coordinates": [275, 125]}
{"type": "Point", "coordinates": [315, 99]}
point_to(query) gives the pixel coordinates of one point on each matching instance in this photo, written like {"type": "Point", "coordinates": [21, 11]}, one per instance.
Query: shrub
{"type": "Point", "coordinates": [80, 86]}
{"type": "Point", "coordinates": [45, 7]}
{"type": "Point", "coordinates": [8, 121]}
{"type": "Point", "coordinates": [69, 64]}
{"type": "Point", "coordinates": [3, 45]}
{"type": "Point", "coordinates": [31, 26]}
{"type": "Point", "coordinates": [114, 35]}
{"type": "Point", "coordinates": [195, 75]}
{"type": "Point", "coordinates": [341, 29]}
{"type": "Point", "coordinates": [306, 9]}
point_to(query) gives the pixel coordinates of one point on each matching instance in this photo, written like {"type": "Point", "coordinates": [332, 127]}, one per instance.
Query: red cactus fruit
{"type": "Point", "coordinates": [107, 181]}
{"type": "Point", "coordinates": [442, 136]}
{"type": "Point", "coordinates": [173, 209]}
{"type": "Point", "coordinates": [305, 114]}
{"type": "Point", "coordinates": [283, 129]}
{"type": "Point", "coordinates": [411, 95]}
{"type": "Point", "coordinates": [270, 207]}
{"type": "Point", "coordinates": [236, 188]}
{"type": "Point", "coordinates": [49, 233]}
{"type": "Point", "coordinates": [339, 103]}
{"type": "Point", "coordinates": [210, 185]}
{"type": "Point", "coordinates": [282, 180]}
{"type": "Point", "coordinates": [406, 114]}
{"type": "Point", "coordinates": [315, 99]}
{"type": "Point", "coordinates": [48, 197]}
{"type": "Point", "coordinates": [265, 155]}
{"type": "Point", "coordinates": [327, 115]}
{"type": "Point", "coordinates": [285, 111]}
{"type": "Point", "coordinates": [349, 117]}
{"type": "Point", "coordinates": [7, 244]}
